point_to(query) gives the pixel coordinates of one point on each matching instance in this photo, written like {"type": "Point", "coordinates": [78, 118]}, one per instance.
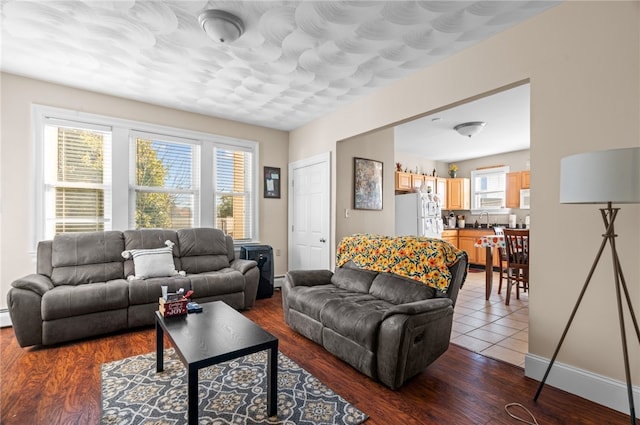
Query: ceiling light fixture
{"type": "Point", "coordinates": [221, 26]}
{"type": "Point", "coordinates": [469, 129]}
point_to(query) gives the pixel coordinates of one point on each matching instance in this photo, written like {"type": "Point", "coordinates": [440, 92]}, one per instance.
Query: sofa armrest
{"type": "Point", "coordinates": [243, 266]}
{"type": "Point", "coordinates": [25, 308]}
{"type": "Point", "coordinates": [34, 282]}
{"type": "Point", "coordinates": [407, 343]}
{"type": "Point", "coordinates": [417, 307]}
{"type": "Point", "coordinates": [309, 277]}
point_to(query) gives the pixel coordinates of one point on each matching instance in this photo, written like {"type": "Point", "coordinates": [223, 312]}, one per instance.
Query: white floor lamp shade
{"type": "Point", "coordinates": [601, 177]}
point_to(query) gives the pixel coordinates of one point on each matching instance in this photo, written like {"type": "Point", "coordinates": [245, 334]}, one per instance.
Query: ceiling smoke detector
{"type": "Point", "coordinates": [221, 26]}
{"type": "Point", "coordinates": [469, 129]}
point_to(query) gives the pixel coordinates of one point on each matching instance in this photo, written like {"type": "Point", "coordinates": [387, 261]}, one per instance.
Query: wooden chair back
{"type": "Point", "coordinates": [517, 242]}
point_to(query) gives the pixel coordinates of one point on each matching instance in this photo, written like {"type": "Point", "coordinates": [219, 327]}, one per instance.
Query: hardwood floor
{"type": "Point", "coordinates": [61, 384]}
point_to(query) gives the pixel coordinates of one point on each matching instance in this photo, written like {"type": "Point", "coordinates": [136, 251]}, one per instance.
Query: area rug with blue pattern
{"type": "Point", "coordinates": [232, 392]}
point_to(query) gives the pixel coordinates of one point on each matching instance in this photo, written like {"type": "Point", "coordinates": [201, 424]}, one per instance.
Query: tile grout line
{"type": "Point", "coordinates": [472, 301]}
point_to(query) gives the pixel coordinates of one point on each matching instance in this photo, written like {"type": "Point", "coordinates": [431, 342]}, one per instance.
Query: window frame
{"type": "Point", "coordinates": [254, 188]}
{"type": "Point", "coordinates": [196, 175]}
{"type": "Point", "coordinates": [475, 209]}
{"type": "Point", "coordinates": [47, 183]}
{"type": "Point", "coordinates": [121, 131]}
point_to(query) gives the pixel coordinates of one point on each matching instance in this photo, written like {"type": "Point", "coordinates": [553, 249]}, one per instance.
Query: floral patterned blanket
{"type": "Point", "coordinates": [419, 258]}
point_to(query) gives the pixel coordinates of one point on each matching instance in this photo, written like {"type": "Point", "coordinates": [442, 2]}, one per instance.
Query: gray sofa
{"type": "Point", "coordinates": [386, 326]}
{"type": "Point", "coordinates": [83, 286]}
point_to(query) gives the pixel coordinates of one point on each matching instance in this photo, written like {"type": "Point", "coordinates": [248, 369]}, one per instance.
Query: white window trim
{"type": "Point", "coordinates": [492, 211]}
{"type": "Point", "coordinates": [121, 130]}
{"type": "Point", "coordinates": [254, 186]}
{"type": "Point", "coordinates": [195, 184]}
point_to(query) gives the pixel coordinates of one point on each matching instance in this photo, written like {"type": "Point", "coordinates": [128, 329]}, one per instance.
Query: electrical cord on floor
{"type": "Point", "coordinates": [510, 405]}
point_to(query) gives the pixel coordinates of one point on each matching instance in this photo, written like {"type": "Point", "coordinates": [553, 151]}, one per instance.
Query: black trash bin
{"type": "Point", "coordinates": [263, 255]}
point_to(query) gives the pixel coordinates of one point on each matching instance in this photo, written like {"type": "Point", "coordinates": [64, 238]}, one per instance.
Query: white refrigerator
{"type": "Point", "coordinates": [418, 214]}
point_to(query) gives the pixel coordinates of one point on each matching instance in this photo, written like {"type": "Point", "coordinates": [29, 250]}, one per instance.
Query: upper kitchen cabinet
{"type": "Point", "coordinates": [516, 181]}
{"type": "Point", "coordinates": [441, 190]}
{"type": "Point", "coordinates": [416, 181]}
{"type": "Point", "coordinates": [403, 181]}
{"type": "Point", "coordinates": [407, 182]}
{"type": "Point", "coordinates": [525, 179]}
{"type": "Point", "coordinates": [458, 194]}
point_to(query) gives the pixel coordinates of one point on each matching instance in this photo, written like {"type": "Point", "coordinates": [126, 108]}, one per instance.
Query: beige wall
{"type": "Point", "coordinates": [378, 146]}
{"type": "Point", "coordinates": [16, 163]}
{"type": "Point", "coordinates": [583, 63]}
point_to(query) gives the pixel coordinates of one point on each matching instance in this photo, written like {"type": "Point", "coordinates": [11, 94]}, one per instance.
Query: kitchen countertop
{"type": "Point", "coordinates": [480, 229]}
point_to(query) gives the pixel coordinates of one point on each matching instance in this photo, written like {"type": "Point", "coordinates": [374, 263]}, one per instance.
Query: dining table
{"type": "Point", "coordinates": [489, 242]}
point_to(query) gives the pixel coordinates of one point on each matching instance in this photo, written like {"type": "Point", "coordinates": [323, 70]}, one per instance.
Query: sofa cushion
{"type": "Point", "coordinates": [75, 300]}
{"type": "Point", "coordinates": [202, 250]}
{"type": "Point", "coordinates": [79, 258]}
{"type": "Point", "coordinates": [353, 279]}
{"type": "Point", "coordinates": [224, 281]}
{"type": "Point", "coordinates": [146, 291]}
{"type": "Point", "coordinates": [157, 262]}
{"type": "Point", "coordinates": [149, 239]}
{"type": "Point", "coordinates": [357, 319]}
{"type": "Point", "coordinates": [310, 300]}
{"type": "Point", "coordinates": [399, 290]}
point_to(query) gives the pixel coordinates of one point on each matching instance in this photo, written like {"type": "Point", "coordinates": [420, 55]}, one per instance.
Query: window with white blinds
{"type": "Point", "coordinates": [95, 172]}
{"type": "Point", "coordinates": [233, 190]}
{"type": "Point", "coordinates": [165, 182]}
{"type": "Point", "coordinates": [488, 189]}
{"type": "Point", "coordinates": [77, 178]}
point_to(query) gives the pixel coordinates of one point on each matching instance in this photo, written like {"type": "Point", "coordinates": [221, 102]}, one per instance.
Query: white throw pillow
{"type": "Point", "coordinates": [148, 263]}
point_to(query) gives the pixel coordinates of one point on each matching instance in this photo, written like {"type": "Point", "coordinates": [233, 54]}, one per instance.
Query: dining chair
{"type": "Point", "coordinates": [502, 254]}
{"type": "Point", "coordinates": [518, 244]}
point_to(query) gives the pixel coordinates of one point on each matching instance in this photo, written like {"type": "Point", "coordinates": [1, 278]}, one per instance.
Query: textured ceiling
{"type": "Point", "coordinates": [295, 62]}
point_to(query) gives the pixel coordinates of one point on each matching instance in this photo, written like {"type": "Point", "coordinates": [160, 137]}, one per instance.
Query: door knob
{"type": "Point", "coordinates": [323, 240]}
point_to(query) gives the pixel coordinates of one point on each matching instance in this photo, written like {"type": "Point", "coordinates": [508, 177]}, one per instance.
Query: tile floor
{"type": "Point", "coordinates": [489, 327]}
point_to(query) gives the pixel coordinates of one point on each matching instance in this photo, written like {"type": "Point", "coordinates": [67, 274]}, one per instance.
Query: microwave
{"type": "Point", "coordinates": [525, 199]}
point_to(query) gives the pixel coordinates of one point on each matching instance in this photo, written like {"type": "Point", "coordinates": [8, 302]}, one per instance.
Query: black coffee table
{"type": "Point", "coordinates": [217, 334]}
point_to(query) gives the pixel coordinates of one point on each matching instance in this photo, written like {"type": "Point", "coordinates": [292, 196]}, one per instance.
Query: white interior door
{"type": "Point", "coordinates": [309, 213]}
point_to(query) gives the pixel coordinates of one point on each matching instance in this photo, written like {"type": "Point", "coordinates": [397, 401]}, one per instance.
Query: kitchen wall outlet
{"type": "Point", "coordinates": [347, 213]}
{"type": "Point", "coordinates": [278, 252]}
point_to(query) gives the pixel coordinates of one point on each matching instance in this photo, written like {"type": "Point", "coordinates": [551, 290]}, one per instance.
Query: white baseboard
{"type": "Point", "coordinates": [5, 319]}
{"type": "Point", "coordinates": [591, 386]}
{"type": "Point", "coordinates": [277, 281]}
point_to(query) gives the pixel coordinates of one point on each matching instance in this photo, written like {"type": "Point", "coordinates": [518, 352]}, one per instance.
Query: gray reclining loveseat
{"type": "Point", "coordinates": [387, 326]}
{"type": "Point", "coordinates": [84, 285]}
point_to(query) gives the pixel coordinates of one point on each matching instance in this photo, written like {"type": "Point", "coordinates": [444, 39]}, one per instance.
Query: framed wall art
{"type": "Point", "coordinates": [367, 184]}
{"type": "Point", "coordinates": [271, 182]}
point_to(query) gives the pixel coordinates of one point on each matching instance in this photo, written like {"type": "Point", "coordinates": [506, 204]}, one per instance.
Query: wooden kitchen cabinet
{"type": "Point", "coordinates": [525, 180]}
{"type": "Point", "coordinates": [478, 256]}
{"type": "Point", "coordinates": [515, 181]}
{"type": "Point", "coordinates": [416, 181]}
{"type": "Point", "coordinates": [458, 194]}
{"type": "Point", "coordinates": [403, 181]}
{"type": "Point", "coordinates": [451, 236]}
{"type": "Point", "coordinates": [430, 182]}
{"type": "Point", "coordinates": [441, 190]}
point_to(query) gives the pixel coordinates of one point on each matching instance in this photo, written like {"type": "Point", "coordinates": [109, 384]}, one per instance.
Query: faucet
{"type": "Point", "coordinates": [483, 213]}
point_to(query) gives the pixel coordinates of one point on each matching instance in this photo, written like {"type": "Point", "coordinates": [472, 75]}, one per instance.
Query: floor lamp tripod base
{"type": "Point", "coordinates": [608, 216]}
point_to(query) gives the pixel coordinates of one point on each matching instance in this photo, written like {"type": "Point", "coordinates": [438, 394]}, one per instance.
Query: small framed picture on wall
{"type": "Point", "coordinates": [271, 182]}
{"type": "Point", "coordinates": [367, 184]}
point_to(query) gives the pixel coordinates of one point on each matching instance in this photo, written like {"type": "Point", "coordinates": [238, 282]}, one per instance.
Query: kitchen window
{"type": "Point", "coordinates": [489, 190]}
{"type": "Point", "coordinates": [94, 172]}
